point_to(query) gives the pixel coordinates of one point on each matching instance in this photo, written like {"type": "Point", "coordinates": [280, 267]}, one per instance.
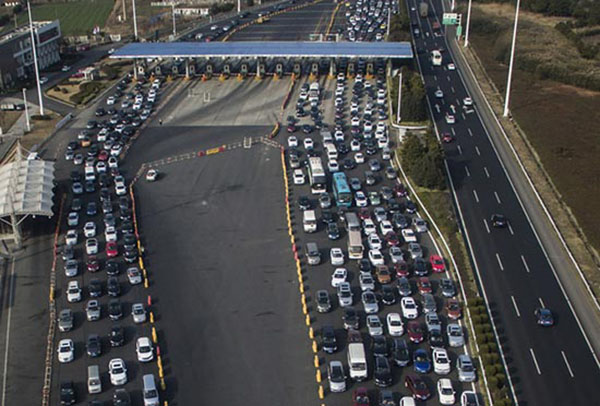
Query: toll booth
{"type": "Point", "coordinates": [175, 69]}
{"type": "Point", "coordinates": [297, 70]}
{"type": "Point", "coordinates": [226, 69]}
{"type": "Point", "coordinates": [157, 70]}
{"type": "Point", "coordinates": [351, 69]}
{"type": "Point", "coordinates": [208, 70]}
{"type": "Point", "coordinates": [244, 69]}
{"type": "Point", "coordinates": [370, 68]}
{"type": "Point", "coordinates": [279, 69]}
{"type": "Point", "coordinates": [261, 69]}
{"type": "Point", "coordinates": [314, 68]}
{"type": "Point", "coordinates": [191, 68]}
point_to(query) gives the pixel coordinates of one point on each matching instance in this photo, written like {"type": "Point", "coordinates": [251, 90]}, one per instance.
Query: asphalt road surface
{"type": "Point", "coordinates": [547, 366]}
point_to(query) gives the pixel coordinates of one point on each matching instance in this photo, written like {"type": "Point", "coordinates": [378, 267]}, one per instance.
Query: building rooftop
{"type": "Point", "coordinates": [23, 29]}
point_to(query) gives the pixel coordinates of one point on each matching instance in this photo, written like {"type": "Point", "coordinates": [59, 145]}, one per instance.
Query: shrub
{"type": "Point", "coordinates": [491, 370]}
{"type": "Point", "coordinates": [481, 338]}
{"type": "Point", "coordinates": [477, 301]}
{"type": "Point", "coordinates": [484, 349]}
{"type": "Point", "coordinates": [490, 336]}
{"type": "Point", "coordinates": [492, 347]}
{"type": "Point", "coordinates": [501, 379]}
{"type": "Point", "coordinates": [476, 319]}
{"type": "Point", "coordinates": [493, 381]}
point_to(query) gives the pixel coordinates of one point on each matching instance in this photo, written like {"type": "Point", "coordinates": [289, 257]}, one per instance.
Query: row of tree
{"type": "Point", "coordinates": [586, 12]}
{"type": "Point", "coordinates": [422, 158]}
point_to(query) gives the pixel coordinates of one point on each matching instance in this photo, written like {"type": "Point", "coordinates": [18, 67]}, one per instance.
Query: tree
{"type": "Point", "coordinates": [423, 160]}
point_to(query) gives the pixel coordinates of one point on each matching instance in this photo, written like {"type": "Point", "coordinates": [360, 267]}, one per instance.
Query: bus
{"type": "Point", "coordinates": [355, 247]}
{"type": "Point", "coordinates": [316, 176]}
{"type": "Point", "coordinates": [341, 190]}
{"type": "Point", "coordinates": [436, 58]}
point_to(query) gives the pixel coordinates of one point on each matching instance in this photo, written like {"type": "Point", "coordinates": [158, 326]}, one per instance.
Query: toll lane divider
{"type": "Point", "coordinates": [301, 288]}
{"type": "Point", "coordinates": [330, 26]}
{"type": "Point", "coordinates": [46, 388]}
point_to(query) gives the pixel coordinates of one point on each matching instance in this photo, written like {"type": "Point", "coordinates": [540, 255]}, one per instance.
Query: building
{"type": "Point", "coordinates": [17, 55]}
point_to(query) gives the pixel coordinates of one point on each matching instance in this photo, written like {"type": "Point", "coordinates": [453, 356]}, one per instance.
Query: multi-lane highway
{"type": "Point", "coordinates": [546, 365]}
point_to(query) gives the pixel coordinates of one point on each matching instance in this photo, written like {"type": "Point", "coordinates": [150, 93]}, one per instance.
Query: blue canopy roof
{"type": "Point", "coordinates": [279, 49]}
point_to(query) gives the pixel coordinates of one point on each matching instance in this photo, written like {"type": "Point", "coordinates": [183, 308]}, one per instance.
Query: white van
{"type": "Point", "coordinates": [150, 391]}
{"type": "Point", "coordinates": [357, 361]}
{"type": "Point", "coordinates": [309, 221]}
{"type": "Point", "coordinates": [332, 153]}
{"type": "Point", "coordinates": [94, 383]}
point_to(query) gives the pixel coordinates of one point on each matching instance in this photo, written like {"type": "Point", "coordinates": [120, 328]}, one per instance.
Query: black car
{"type": "Point", "coordinates": [436, 339]}
{"type": "Point", "coordinates": [301, 113]}
{"type": "Point", "coordinates": [95, 288]}
{"type": "Point", "coordinates": [67, 393]}
{"type": "Point", "coordinates": [400, 352]}
{"type": "Point", "coordinates": [130, 256]}
{"type": "Point", "coordinates": [100, 112]}
{"type": "Point", "coordinates": [93, 346]}
{"type": "Point", "coordinates": [125, 215]}
{"type": "Point", "coordinates": [112, 268]}
{"type": "Point", "coordinates": [307, 129]}
{"type": "Point", "coordinates": [544, 317]}
{"type": "Point", "coordinates": [107, 207]}
{"type": "Point", "coordinates": [388, 295]}
{"type": "Point", "coordinates": [379, 346]}
{"type": "Point", "coordinates": [420, 267]}
{"type": "Point", "coordinates": [76, 204]}
{"type": "Point", "coordinates": [411, 207]}
{"type": "Point", "coordinates": [387, 193]}
{"type": "Point", "coordinates": [68, 253]}
{"type": "Point", "coordinates": [91, 209]}
{"type": "Point", "coordinates": [115, 310]}
{"type": "Point", "coordinates": [117, 336]}
{"type": "Point", "coordinates": [327, 217]}
{"type": "Point", "coordinates": [127, 227]}
{"type": "Point", "coordinates": [76, 176]}
{"type": "Point", "coordinates": [333, 231]}
{"type": "Point", "coordinates": [72, 146]}
{"type": "Point", "coordinates": [304, 203]}
{"type": "Point", "coordinates": [121, 397]}
{"type": "Point", "coordinates": [394, 206]}
{"type": "Point", "coordinates": [349, 164]}
{"type": "Point", "coordinates": [364, 265]}
{"type": "Point", "coordinates": [113, 286]}
{"type": "Point", "coordinates": [90, 187]}
{"type": "Point", "coordinates": [498, 221]}
{"type": "Point", "coordinates": [343, 150]}
{"type": "Point", "coordinates": [323, 301]}
{"type": "Point", "coordinates": [400, 221]}
{"type": "Point", "coordinates": [382, 372]}
{"type": "Point", "coordinates": [350, 318]}
{"type": "Point", "coordinates": [129, 242]}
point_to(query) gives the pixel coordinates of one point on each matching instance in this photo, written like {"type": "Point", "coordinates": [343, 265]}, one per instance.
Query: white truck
{"type": "Point", "coordinates": [309, 221]}
{"type": "Point", "coordinates": [357, 361]}
{"type": "Point", "coordinates": [314, 91]}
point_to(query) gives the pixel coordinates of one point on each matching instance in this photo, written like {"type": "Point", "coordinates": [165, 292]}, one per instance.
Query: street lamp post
{"type": "Point", "coordinates": [135, 32]}
{"type": "Point", "coordinates": [239, 6]}
{"type": "Point", "coordinates": [512, 60]}
{"type": "Point", "coordinates": [35, 63]}
{"type": "Point", "coordinates": [174, 27]}
{"type": "Point", "coordinates": [26, 110]}
{"type": "Point", "coordinates": [468, 24]}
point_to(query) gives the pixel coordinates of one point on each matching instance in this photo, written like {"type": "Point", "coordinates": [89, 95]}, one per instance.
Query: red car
{"type": "Point", "coordinates": [400, 190]}
{"type": "Point", "coordinates": [291, 128]}
{"type": "Point", "coordinates": [447, 137]}
{"type": "Point", "coordinates": [391, 238]}
{"type": "Point", "coordinates": [424, 285]}
{"type": "Point", "coordinates": [364, 213]}
{"type": "Point", "coordinates": [415, 332]}
{"type": "Point", "coordinates": [437, 263]}
{"type": "Point", "coordinates": [92, 264]}
{"type": "Point", "coordinates": [402, 269]}
{"type": "Point", "coordinates": [417, 387]}
{"type": "Point", "coordinates": [453, 309]}
{"type": "Point", "coordinates": [111, 249]}
{"type": "Point", "coordinates": [360, 397]}
{"type": "Point", "coordinates": [103, 155]}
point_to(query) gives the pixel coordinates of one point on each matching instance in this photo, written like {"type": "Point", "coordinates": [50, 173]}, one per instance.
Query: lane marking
{"type": "Point", "coordinates": [486, 225]}
{"type": "Point", "coordinates": [537, 367]}
{"type": "Point", "coordinates": [541, 302]}
{"type": "Point", "coordinates": [452, 88]}
{"type": "Point", "coordinates": [510, 229]}
{"type": "Point", "coordinates": [470, 132]}
{"type": "Point", "coordinates": [567, 364]}
{"type": "Point", "coordinates": [448, 77]}
{"type": "Point", "coordinates": [475, 194]}
{"type": "Point", "coordinates": [11, 288]}
{"type": "Point", "coordinates": [487, 174]}
{"type": "Point", "coordinates": [497, 197]}
{"type": "Point", "coordinates": [463, 116]}
{"type": "Point", "coordinates": [453, 132]}
{"type": "Point", "coordinates": [499, 261]}
{"type": "Point", "coordinates": [515, 305]}
{"type": "Point", "coordinates": [477, 150]}
{"type": "Point", "coordinates": [459, 149]}
{"type": "Point", "coordinates": [525, 264]}
{"type": "Point", "coordinates": [435, 77]}
{"type": "Point", "coordinates": [467, 170]}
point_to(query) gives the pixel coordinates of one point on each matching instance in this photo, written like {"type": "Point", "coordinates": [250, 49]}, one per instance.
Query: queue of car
{"type": "Point", "coordinates": [100, 240]}
{"type": "Point", "coordinates": [367, 20]}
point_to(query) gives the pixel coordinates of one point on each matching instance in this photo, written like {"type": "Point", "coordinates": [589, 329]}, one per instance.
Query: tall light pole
{"type": "Point", "coordinates": [174, 27]}
{"type": "Point", "coordinates": [26, 110]}
{"type": "Point", "coordinates": [452, 5]}
{"type": "Point", "coordinates": [239, 6]}
{"type": "Point", "coordinates": [512, 60]}
{"type": "Point", "coordinates": [468, 24]}
{"type": "Point", "coordinates": [35, 64]}
{"type": "Point", "coordinates": [135, 33]}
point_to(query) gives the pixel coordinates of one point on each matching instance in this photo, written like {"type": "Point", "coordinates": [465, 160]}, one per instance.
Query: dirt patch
{"type": "Point", "coordinates": [8, 118]}
{"type": "Point", "coordinates": [41, 129]}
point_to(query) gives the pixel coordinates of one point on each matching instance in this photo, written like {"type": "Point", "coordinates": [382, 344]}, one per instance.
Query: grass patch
{"type": "Point", "coordinates": [41, 129]}
{"type": "Point", "coordinates": [8, 118]}
{"type": "Point", "coordinates": [76, 17]}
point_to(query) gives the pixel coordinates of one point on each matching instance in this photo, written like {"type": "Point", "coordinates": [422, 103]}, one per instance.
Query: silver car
{"type": "Point", "coordinates": [92, 310]}
{"type": "Point", "coordinates": [420, 225]}
{"type": "Point", "coordinates": [428, 302]}
{"type": "Point", "coordinates": [374, 325]}
{"type": "Point", "coordinates": [138, 312]}
{"type": "Point", "coordinates": [323, 302]}
{"type": "Point", "coordinates": [466, 369]}
{"type": "Point", "coordinates": [415, 250]}
{"type": "Point", "coordinates": [65, 320]}
{"type": "Point", "coordinates": [366, 281]}
{"type": "Point", "coordinates": [396, 254]}
{"type": "Point", "coordinates": [71, 268]}
{"type": "Point", "coordinates": [369, 301]}
{"type": "Point", "coordinates": [404, 288]}
{"type": "Point", "coordinates": [336, 376]}
{"type": "Point", "coordinates": [455, 335]}
{"type": "Point", "coordinates": [433, 322]}
{"type": "Point", "coordinates": [344, 293]}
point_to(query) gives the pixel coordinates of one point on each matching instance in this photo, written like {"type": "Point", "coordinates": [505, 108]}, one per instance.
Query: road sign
{"type": "Point", "coordinates": [450, 18]}
{"type": "Point", "coordinates": [458, 31]}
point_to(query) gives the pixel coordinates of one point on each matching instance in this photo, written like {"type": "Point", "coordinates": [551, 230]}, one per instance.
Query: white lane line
{"type": "Point", "coordinates": [525, 264]}
{"type": "Point", "coordinates": [510, 229]}
{"type": "Point", "coordinates": [487, 174]}
{"type": "Point", "coordinates": [567, 364]}
{"type": "Point", "coordinates": [497, 197]}
{"type": "Point", "coordinates": [541, 302]}
{"type": "Point", "coordinates": [448, 77]}
{"type": "Point", "coordinates": [477, 150]}
{"type": "Point", "coordinates": [475, 194]}
{"type": "Point", "coordinates": [459, 149]}
{"type": "Point", "coordinates": [457, 102]}
{"type": "Point", "coordinates": [515, 305]}
{"type": "Point", "coordinates": [467, 170]}
{"type": "Point", "coordinates": [10, 305]}
{"type": "Point", "coordinates": [486, 225]}
{"type": "Point", "coordinates": [499, 261]}
{"type": "Point", "coordinates": [453, 132]}
{"type": "Point", "coordinates": [435, 77]}
{"type": "Point", "coordinates": [470, 132]}
{"type": "Point", "coordinates": [537, 367]}
{"type": "Point", "coordinates": [452, 88]}
{"type": "Point", "coordinates": [463, 116]}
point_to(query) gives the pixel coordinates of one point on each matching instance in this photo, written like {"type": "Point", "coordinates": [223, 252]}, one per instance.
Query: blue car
{"type": "Point", "coordinates": [544, 317]}
{"type": "Point", "coordinates": [421, 361]}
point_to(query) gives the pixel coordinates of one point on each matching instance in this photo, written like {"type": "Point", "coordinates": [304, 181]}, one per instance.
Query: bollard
{"type": "Point", "coordinates": [318, 376]}
{"type": "Point", "coordinates": [308, 319]}
{"type": "Point", "coordinates": [302, 288]}
{"type": "Point", "coordinates": [303, 299]}
{"type": "Point", "coordinates": [163, 386]}
{"type": "Point", "coordinates": [311, 333]}
{"type": "Point", "coordinates": [154, 335]}
{"type": "Point", "coordinates": [294, 248]}
{"type": "Point", "coordinates": [304, 309]}
{"type": "Point", "coordinates": [151, 317]}
{"type": "Point", "coordinates": [159, 362]}
{"type": "Point", "coordinates": [316, 361]}
{"type": "Point", "coordinates": [158, 350]}
{"type": "Point", "coordinates": [149, 300]}
{"type": "Point", "coordinates": [315, 347]}
{"type": "Point", "coordinates": [300, 280]}
{"type": "Point", "coordinates": [144, 273]}
{"type": "Point", "coordinates": [141, 262]}
{"type": "Point", "coordinates": [321, 392]}
{"type": "Point", "coordinates": [146, 284]}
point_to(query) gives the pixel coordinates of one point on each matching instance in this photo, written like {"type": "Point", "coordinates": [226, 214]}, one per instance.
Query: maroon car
{"type": "Point", "coordinates": [291, 128]}
{"type": "Point", "coordinates": [400, 190]}
{"type": "Point", "coordinates": [391, 238]}
{"type": "Point", "coordinates": [401, 269]}
{"type": "Point", "coordinates": [424, 285]}
{"type": "Point", "coordinates": [364, 213]}
{"type": "Point", "coordinates": [360, 397]}
{"type": "Point", "coordinates": [417, 387]}
{"type": "Point", "coordinates": [92, 264]}
{"type": "Point", "coordinates": [453, 309]}
{"type": "Point", "coordinates": [415, 332]}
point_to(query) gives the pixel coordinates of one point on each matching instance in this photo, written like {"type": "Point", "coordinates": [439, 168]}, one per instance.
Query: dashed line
{"type": "Point", "coordinates": [515, 306]}
{"type": "Point", "coordinates": [510, 229]}
{"type": "Point", "coordinates": [467, 170]}
{"type": "Point", "coordinates": [470, 132]}
{"type": "Point", "coordinates": [487, 227]}
{"type": "Point", "coordinates": [541, 302]}
{"type": "Point", "coordinates": [435, 77]}
{"type": "Point", "coordinates": [499, 262]}
{"type": "Point", "coordinates": [497, 197]}
{"type": "Point", "coordinates": [567, 364]}
{"type": "Point", "coordinates": [537, 367]}
{"type": "Point", "coordinates": [452, 88]}
{"type": "Point", "coordinates": [453, 132]}
{"type": "Point", "coordinates": [487, 174]}
{"type": "Point", "coordinates": [463, 116]}
{"type": "Point", "coordinates": [476, 196]}
{"type": "Point", "coordinates": [448, 77]}
{"type": "Point", "coordinates": [477, 150]}
{"type": "Point", "coordinates": [459, 149]}
{"type": "Point", "coordinates": [525, 264]}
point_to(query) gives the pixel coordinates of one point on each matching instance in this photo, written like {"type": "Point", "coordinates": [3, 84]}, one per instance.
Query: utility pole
{"type": "Point", "coordinates": [174, 27]}
{"type": "Point", "coordinates": [399, 97]}
{"type": "Point", "coordinates": [135, 33]}
{"type": "Point", "coordinates": [35, 63]}
{"type": "Point", "coordinates": [468, 24]}
{"type": "Point", "coordinates": [124, 12]}
{"type": "Point", "coordinates": [512, 60]}
{"type": "Point", "coordinates": [26, 110]}
{"type": "Point", "coordinates": [239, 6]}
{"type": "Point", "coordinates": [453, 5]}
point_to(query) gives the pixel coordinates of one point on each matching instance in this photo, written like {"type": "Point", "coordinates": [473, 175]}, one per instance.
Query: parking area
{"type": "Point", "coordinates": [392, 306]}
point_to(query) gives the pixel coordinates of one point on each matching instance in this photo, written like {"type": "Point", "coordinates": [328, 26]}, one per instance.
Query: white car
{"type": "Point", "coordinates": [119, 180]}
{"type": "Point", "coordinates": [134, 275]}
{"type": "Point", "coordinates": [66, 350]}
{"type": "Point", "coordinates": [395, 325]}
{"type": "Point", "coordinates": [382, 142]}
{"type": "Point", "coordinates": [91, 246]}
{"type": "Point", "coordinates": [374, 241]}
{"type": "Point", "coordinates": [89, 230]}
{"type": "Point", "coordinates": [361, 199]}
{"type": "Point", "coordinates": [408, 400]}
{"type": "Point", "coordinates": [110, 233]}
{"type": "Point", "coordinates": [450, 119]}
{"type": "Point", "coordinates": [71, 237]}
{"type": "Point", "coordinates": [451, 66]}
{"type": "Point", "coordinates": [396, 255]}
{"type": "Point", "coordinates": [337, 256]}
{"type": "Point", "coordinates": [43, 80]}
{"type": "Point", "coordinates": [420, 225]}
{"type": "Point", "coordinates": [339, 136]}
{"type": "Point", "coordinates": [409, 308]}
{"type": "Point", "coordinates": [439, 94]}
{"type": "Point", "coordinates": [143, 349]}
{"type": "Point", "coordinates": [151, 175]}
{"type": "Point", "coordinates": [359, 158]}
{"type": "Point", "coordinates": [138, 312]}
{"type": "Point", "coordinates": [333, 165]}
{"type": "Point", "coordinates": [376, 257]}
{"type": "Point", "coordinates": [374, 325]}
{"type": "Point", "coordinates": [355, 147]}
{"type": "Point", "coordinates": [292, 141]}
{"type": "Point", "coordinates": [113, 162]}
{"type": "Point", "coordinates": [308, 143]}
{"type": "Point", "coordinates": [409, 235]}
{"type": "Point", "coordinates": [441, 361]}
{"type": "Point", "coordinates": [366, 281]}
{"type": "Point", "coordinates": [299, 178]}
{"type": "Point", "coordinates": [467, 101]}
{"type": "Point", "coordinates": [338, 277]}
{"type": "Point", "coordinates": [73, 292]}
{"type": "Point", "coordinates": [101, 167]}
{"type": "Point", "coordinates": [369, 226]}
{"type": "Point", "coordinates": [110, 101]}
{"type": "Point", "coordinates": [355, 121]}
{"type": "Point", "coordinates": [446, 392]}
{"type": "Point", "coordinates": [385, 227]}
{"type": "Point", "coordinates": [120, 190]}
{"type": "Point", "coordinates": [117, 371]}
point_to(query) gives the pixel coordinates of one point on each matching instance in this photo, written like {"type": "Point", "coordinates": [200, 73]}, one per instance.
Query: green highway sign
{"type": "Point", "coordinates": [450, 19]}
